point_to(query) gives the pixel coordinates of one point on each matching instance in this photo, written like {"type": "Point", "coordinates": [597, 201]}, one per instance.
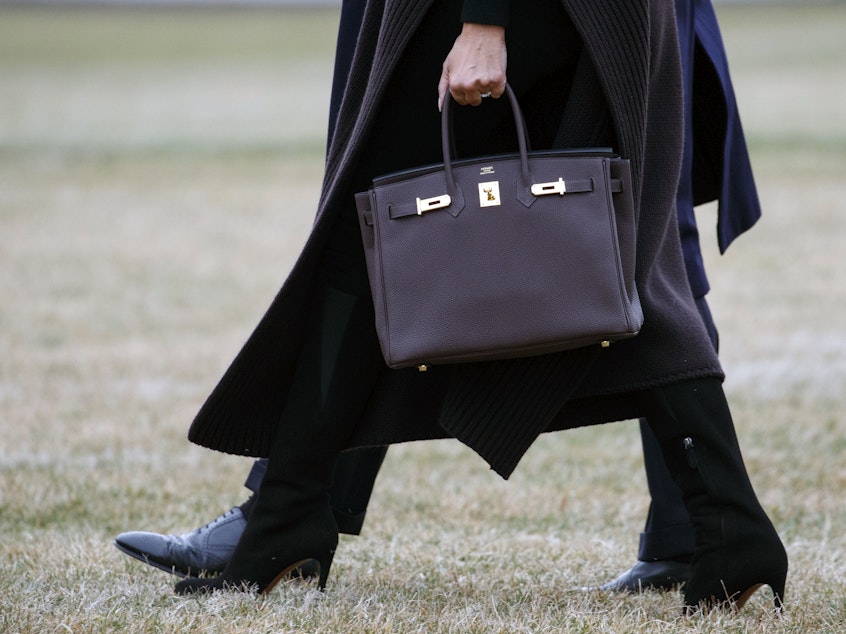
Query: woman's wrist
{"type": "Point", "coordinates": [483, 32]}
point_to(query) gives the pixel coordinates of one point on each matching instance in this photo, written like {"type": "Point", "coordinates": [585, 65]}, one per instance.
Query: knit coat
{"type": "Point", "coordinates": [498, 407]}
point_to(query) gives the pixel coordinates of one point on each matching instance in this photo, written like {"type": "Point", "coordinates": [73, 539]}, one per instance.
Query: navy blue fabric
{"type": "Point", "coordinates": [715, 167]}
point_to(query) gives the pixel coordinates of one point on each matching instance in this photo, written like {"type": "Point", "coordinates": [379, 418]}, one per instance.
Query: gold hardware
{"type": "Point", "coordinates": [422, 367]}
{"type": "Point", "coordinates": [430, 204]}
{"type": "Point", "coordinates": [605, 343]}
{"type": "Point", "coordinates": [489, 194]}
{"type": "Point", "coordinates": [555, 187]}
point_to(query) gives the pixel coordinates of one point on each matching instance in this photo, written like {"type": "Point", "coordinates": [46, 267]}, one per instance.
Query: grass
{"type": "Point", "coordinates": [158, 173]}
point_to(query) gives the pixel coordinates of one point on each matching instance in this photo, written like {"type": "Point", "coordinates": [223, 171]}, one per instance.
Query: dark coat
{"type": "Point", "coordinates": [640, 77]}
{"type": "Point", "coordinates": [717, 165]}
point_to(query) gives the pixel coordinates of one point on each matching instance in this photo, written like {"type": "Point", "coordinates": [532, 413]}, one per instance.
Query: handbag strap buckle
{"type": "Point", "coordinates": [553, 187]}
{"type": "Point", "coordinates": [430, 204]}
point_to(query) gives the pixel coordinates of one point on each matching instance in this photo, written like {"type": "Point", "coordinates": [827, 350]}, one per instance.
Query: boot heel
{"type": "Point", "coordinates": [325, 563]}
{"type": "Point", "coordinates": [295, 570]}
{"type": "Point", "coordinates": [778, 595]}
{"type": "Point", "coordinates": [744, 596]}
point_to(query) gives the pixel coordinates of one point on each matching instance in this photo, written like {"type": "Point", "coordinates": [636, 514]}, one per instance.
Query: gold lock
{"type": "Point", "coordinates": [489, 194]}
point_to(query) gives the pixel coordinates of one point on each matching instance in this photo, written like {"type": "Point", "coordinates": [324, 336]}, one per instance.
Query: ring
{"type": "Point", "coordinates": [485, 95]}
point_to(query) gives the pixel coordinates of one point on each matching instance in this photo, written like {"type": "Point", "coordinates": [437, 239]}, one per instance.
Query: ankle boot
{"type": "Point", "coordinates": [737, 549]}
{"type": "Point", "coordinates": [292, 523]}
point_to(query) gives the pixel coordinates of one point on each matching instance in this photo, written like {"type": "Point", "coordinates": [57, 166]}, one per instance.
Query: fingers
{"type": "Point", "coordinates": [470, 94]}
{"type": "Point", "coordinates": [475, 95]}
{"type": "Point", "coordinates": [470, 87]}
{"type": "Point", "coordinates": [471, 84]}
{"type": "Point", "coordinates": [498, 89]}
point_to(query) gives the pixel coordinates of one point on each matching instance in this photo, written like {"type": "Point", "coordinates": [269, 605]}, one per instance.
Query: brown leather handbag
{"type": "Point", "coordinates": [501, 256]}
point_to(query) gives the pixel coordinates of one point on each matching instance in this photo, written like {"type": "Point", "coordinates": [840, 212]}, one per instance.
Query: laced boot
{"type": "Point", "coordinates": [737, 549]}
{"type": "Point", "coordinates": [204, 550]}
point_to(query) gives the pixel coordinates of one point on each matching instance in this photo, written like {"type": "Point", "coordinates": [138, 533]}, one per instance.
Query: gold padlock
{"type": "Point", "coordinates": [489, 194]}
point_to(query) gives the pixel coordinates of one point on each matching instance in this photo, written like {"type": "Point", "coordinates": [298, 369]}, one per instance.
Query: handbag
{"type": "Point", "coordinates": [501, 256]}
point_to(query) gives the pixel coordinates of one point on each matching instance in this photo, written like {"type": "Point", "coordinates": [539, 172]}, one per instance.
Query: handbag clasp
{"type": "Point", "coordinates": [554, 187]}
{"type": "Point", "coordinates": [430, 204]}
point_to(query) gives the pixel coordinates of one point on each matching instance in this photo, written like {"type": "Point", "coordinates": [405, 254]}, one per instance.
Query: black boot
{"type": "Point", "coordinates": [292, 523]}
{"type": "Point", "coordinates": [737, 549]}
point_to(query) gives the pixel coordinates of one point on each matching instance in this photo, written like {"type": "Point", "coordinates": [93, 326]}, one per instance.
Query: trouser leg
{"type": "Point", "coordinates": [349, 494]}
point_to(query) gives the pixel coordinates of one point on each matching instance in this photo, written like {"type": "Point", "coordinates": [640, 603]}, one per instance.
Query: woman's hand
{"type": "Point", "coordinates": [475, 66]}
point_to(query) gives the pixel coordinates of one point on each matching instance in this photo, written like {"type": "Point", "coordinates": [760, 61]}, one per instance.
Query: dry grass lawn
{"type": "Point", "coordinates": [158, 172]}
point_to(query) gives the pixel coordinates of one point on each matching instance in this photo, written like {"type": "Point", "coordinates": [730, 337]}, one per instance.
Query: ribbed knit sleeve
{"type": "Point", "coordinates": [486, 12]}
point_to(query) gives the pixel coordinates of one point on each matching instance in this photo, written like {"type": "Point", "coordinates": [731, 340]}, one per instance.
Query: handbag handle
{"type": "Point", "coordinates": [522, 143]}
